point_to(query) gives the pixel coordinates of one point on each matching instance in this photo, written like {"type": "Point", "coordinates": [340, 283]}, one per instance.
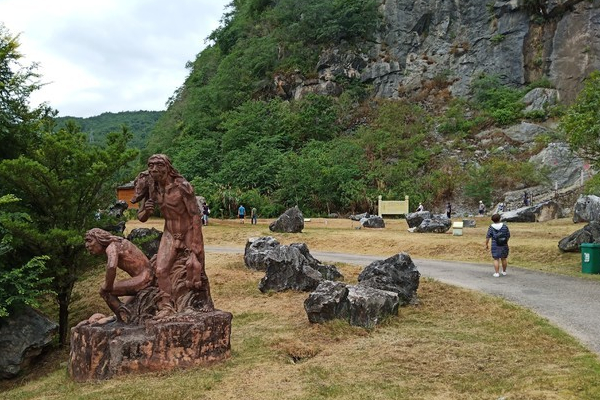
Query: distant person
{"type": "Point", "coordinates": [500, 208]}
{"type": "Point", "coordinates": [241, 213]}
{"type": "Point", "coordinates": [499, 233]}
{"type": "Point", "coordinates": [481, 208]}
{"type": "Point", "coordinates": [525, 198]}
{"type": "Point", "coordinates": [253, 216]}
{"type": "Point", "coordinates": [448, 209]}
{"type": "Point", "coordinates": [420, 208]}
{"type": "Point", "coordinates": [205, 213]}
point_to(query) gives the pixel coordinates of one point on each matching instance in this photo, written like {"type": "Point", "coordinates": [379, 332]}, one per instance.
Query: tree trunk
{"type": "Point", "coordinates": [64, 298]}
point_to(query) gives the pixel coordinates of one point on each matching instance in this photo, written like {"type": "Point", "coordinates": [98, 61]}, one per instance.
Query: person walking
{"type": "Point", "coordinates": [448, 210]}
{"type": "Point", "coordinates": [253, 216]}
{"type": "Point", "coordinates": [481, 208]}
{"type": "Point", "coordinates": [241, 213]}
{"type": "Point", "coordinates": [205, 212]}
{"type": "Point", "coordinates": [499, 234]}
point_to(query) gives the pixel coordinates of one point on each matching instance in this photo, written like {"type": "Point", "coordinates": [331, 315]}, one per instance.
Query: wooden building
{"type": "Point", "coordinates": [125, 193]}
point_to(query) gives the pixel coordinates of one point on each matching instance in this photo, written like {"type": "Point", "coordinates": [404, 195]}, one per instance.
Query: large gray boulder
{"type": "Point", "coordinates": [587, 209]}
{"type": "Point", "coordinates": [588, 234]}
{"type": "Point", "coordinates": [374, 221]}
{"type": "Point", "coordinates": [438, 223]}
{"type": "Point", "coordinates": [288, 269]}
{"type": "Point", "coordinates": [329, 272]}
{"type": "Point", "coordinates": [539, 99]}
{"type": "Point", "coordinates": [396, 274]}
{"type": "Point", "coordinates": [258, 253]}
{"type": "Point", "coordinates": [563, 165]}
{"type": "Point", "coordinates": [547, 211]}
{"type": "Point", "coordinates": [24, 336]}
{"type": "Point", "coordinates": [291, 221]}
{"type": "Point", "coordinates": [542, 212]}
{"type": "Point", "coordinates": [257, 249]}
{"type": "Point", "coordinates": [327, 302]}
{"type": "Point", "coordinates": [414, 219]}
{"type": "Point", "coordinates": [523, 214]}
{"type": "Point", "coordinates": [358, 305]}
{"type": "Point", "coordinates": [369, 306]}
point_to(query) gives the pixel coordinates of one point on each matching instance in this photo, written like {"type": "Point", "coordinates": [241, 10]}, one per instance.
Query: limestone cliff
{"type": "Point", "coordinates": [518, 40]}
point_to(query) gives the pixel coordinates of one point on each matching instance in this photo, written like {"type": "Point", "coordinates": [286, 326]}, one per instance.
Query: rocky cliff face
{"type": "Point", "coordinates": [429, 40]}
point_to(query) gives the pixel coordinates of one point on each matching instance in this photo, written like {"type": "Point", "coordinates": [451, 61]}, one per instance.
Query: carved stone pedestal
{"type": "Point", "coordinates": [179, 341]}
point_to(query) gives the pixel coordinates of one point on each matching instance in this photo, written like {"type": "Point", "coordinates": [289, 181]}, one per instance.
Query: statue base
{"type": "Point", "coordinates": [179, 341]}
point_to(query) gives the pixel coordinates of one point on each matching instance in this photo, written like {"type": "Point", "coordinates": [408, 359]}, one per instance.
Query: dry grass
{"type": "Point", "coordinates": [533, 245]}
{"type": "Point", "coordinates": [456, 344]}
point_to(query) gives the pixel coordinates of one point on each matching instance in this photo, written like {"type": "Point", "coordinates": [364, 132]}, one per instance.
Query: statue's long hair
{"type": "Point", "coordinates": [103, 237]}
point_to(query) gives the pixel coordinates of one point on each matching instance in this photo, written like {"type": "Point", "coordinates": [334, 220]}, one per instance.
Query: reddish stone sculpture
{"type": "Point", "coordinates": [123, 254]}
{"type": "Point", "coordinates": [170, 321]}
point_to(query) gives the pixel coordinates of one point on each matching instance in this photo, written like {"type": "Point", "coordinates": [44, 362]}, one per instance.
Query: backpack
{"type": "Point", "coordinates": [501, 238]}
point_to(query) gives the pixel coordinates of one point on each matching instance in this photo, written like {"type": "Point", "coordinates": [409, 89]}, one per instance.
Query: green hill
{"type": "Point", "coordinates": [139, 123]}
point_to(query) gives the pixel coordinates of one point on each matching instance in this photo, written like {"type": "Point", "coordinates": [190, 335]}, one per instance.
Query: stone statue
{"type": "Point", "coordinates": [182, 241]}
{"type": "Point", "coordinates": [120, 253]}
{"type": "Point", "coordinates": [169, 321]}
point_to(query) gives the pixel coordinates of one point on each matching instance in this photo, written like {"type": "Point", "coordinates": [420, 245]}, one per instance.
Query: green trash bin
{"type": "Point", "coordinates": [590, 258]}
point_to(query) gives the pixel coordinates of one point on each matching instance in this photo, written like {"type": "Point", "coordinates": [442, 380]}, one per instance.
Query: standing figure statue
{"type": "Point", "coordinates": [120, 253]}
{"type": "Point", "coordinates": [182, 243]}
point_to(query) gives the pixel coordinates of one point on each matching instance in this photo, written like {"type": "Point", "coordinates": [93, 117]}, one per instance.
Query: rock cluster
{"type": "Point", "coordinates": [383, 286]}
{"type": "Point", "coordinates": [286, 267]}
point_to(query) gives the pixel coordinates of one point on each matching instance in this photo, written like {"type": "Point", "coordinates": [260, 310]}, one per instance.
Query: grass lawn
{"type": "Point", "coordinates": [456, 344]}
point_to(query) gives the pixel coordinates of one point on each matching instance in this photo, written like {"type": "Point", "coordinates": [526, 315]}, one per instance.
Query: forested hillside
{"type": "Point", "coordinates": [138, 123]}
{"type": "Point", "coordinates": [328, 104]}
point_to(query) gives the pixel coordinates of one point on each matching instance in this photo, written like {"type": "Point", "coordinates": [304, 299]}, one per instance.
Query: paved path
{"type": "Point", "coordinates": [572, 304]}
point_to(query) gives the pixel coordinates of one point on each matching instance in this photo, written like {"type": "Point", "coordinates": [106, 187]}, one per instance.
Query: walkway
{"type": "Point", "coordinates": [573, 304]}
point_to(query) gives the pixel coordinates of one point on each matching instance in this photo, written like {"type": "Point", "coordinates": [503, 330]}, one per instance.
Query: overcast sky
{"type": "Point", "coordinates": [110, 55]}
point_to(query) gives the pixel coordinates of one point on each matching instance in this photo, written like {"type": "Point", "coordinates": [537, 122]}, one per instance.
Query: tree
{"type": "Point", "coordinates": [62, 182]}
{"type": "Point", "coordinates": [19, 284]}
{"type": "Point", "coordinates": [582, 120]}
{"type": "Point", "coordinates": [18, 121]}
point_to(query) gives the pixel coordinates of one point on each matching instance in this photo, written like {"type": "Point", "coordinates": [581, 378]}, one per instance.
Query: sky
{"type": "Point", "coordinates": [100, 56]}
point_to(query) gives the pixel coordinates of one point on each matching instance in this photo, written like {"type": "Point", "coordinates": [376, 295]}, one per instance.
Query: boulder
{"type": "Point", "coordinates": [414, 219]}
{"type": "Point", "coordinates": [373, 221]}
{"type": "Point", "coordinates": [24, 335]}
{"type": "Point", "coordinates": [291, 221]}
{"type": "Point", "coordinates": [329, 272]}
{"type": "Point", "coordinates": [587, 209]}
{"type": "Point", "coordinates": [368, 306]}
{"type": "Point", "coordinates": [287, 268]}
{"type": "Point", "coordinates": [525, 132]}
{"type": "Point", "coordinates": [523, 214]}
{"type": "Point", "coordinates": [588, 234]}
{"type": "Point", "coordinates": [328, 301]}
{"type": "Point", "coordinates": [547, 211]}
{"type": "Point", "coordinates": [256, 251]}
{"type": "Point", "coordinates": [469, 223]}
{"type": "Point", "coordinates": [396, 274]}
{"type": "Point", "coordinates": [147, 239]}
{"type": "Point", "coordinates": [439, 223]}
{"type": "Point", "coordinates": [358, 217]}
{"type": "Point", "coordinates": [117, 209]}
{"type": "Point", "coordinates": [358, 305]}
{"type": "Point", "coordinates": [539, 99]}
{"type": "Point", "coordinates": [563, 165]}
